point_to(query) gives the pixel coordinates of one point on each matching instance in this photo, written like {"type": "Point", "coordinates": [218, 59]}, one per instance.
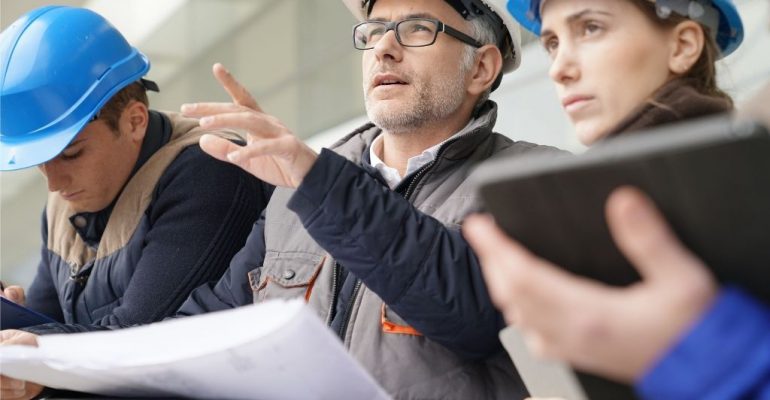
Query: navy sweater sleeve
{"type": "Point", "coordinates": [423, 270]}
{"type": "Point", "coordinates": [200, 216]}
{"type": "Point", "coordinates": [726, 355]}
{"type": "Point", "coordinates": [234, 289]}
{"type": "Point", "coordinates": [42, 295]}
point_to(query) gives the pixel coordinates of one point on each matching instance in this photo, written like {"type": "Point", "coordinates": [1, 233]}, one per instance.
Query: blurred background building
{"type": "Point", "coordinates": [296, 57]}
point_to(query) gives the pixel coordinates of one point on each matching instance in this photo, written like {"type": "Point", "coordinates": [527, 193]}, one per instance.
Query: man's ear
{"type": "Point", "coordinates": [489, 63]}
{"type": "Point", "coordinates": [134, 120]}
{"type": "Point", "coordinates": [687, 41]}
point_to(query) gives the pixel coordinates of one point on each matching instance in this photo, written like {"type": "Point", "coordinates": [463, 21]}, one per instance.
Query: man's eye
{"type": "Point", "coordinates": [376, 32]}
{"type": "Point", "coordinates": [421, 28]}
{"type": "Point", "coordinates": [71, 155]}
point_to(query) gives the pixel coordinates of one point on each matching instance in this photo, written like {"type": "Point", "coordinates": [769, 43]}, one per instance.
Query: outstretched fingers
{"type": "Point", "coordinates": [237, 92]}
{"type": "Point", "coordinates": [258, 126]}
{"type": "Point", "coordinates": [200, 110]}
{"type": "Point", "coordinates": [218, 147]}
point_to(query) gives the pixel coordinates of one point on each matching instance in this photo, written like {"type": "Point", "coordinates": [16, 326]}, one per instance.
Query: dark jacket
{"type": "Point", "coordinates": [175, 225]}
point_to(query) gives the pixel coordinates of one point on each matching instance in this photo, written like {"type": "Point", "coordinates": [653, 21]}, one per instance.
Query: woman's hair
{"type": "Point", "coordinates": [702, 76]}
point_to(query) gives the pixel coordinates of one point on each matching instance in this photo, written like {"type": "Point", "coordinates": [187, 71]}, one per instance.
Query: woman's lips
{"type": "Point", "coordinates": [576, 103]}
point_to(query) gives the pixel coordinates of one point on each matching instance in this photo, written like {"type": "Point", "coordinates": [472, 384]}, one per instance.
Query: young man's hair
{"type": "Point", "coordinates": [111, 111]}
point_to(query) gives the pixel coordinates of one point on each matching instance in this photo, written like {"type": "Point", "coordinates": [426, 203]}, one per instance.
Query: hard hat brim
{"type": "Point", "coordinates": [32, 151]}
{"type": "Point", "coordinates": [729, 37]}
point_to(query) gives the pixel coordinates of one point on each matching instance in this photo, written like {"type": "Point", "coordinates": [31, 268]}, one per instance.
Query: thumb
{"type": "Point", "coordinates": [15, 294]}
{"type": "Point", "coordinates": [645, 238]}
{"type": "Point", "coordinates": [14, 336]}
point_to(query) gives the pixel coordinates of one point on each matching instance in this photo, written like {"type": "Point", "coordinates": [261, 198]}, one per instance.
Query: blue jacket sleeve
{"type": "Point", "coordinates": [42, 295]}
{"type": "Point", "coordinates": [234, 289]}
{"type": "Point", "coordinates": [424, 271]}
{"type": "Point", "coordinates": [726, 355]}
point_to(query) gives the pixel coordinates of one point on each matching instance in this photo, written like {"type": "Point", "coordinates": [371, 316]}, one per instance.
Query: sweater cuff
{"type": "Point", "coordinates": [722, 356]}
{"type": "Point", "coordinates": [312, 192]}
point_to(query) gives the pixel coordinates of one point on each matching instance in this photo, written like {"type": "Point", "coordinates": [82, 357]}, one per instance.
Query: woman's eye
{"type": "Point", "coordinates": [591, 28]}
{"type": "Point", "coordinates": [550, 45]}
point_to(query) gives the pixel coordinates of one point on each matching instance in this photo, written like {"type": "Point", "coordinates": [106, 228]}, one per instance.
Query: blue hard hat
{"type": "Point", "coordinates": [60, 65]}
{"type": "Point", "coordinates": [729, 27]}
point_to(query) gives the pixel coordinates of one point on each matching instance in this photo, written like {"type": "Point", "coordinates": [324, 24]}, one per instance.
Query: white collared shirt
{"type": "Point", "coordinates": [391, 175]}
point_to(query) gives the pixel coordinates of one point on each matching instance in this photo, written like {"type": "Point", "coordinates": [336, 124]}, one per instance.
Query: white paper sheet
{"type": "Point", "coordinates": [543, 378]}
{"type": "Point", "coordinates": [275, 350]}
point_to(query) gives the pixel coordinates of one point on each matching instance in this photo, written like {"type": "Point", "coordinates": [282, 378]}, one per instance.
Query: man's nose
{"type": "Point", "coordinates": [388, 47]}
{"type": "Point", "coordinates": [55, 176]}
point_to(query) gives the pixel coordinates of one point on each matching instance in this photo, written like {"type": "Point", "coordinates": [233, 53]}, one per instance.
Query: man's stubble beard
{"type": "Point", "coordinates": [434, 101]}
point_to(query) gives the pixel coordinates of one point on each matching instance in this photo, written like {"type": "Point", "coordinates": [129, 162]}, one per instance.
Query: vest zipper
{"type": "Point", "coordinates": [333, 301]}
{"type": "Point", "coordinates": [335, 277]}
{"type": "Point", "coordinates": [425, 168]}
{"type": "Point", "coordinates": [349, 310]}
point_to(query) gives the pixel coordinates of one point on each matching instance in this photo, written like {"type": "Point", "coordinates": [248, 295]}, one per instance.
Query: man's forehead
{"type": "Point", "coordinates": [399, 9]}
{"type": "Point", "coordinates": [400, 17]}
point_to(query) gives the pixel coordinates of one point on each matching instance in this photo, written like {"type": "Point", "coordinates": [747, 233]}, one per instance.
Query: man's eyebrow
{"type": "Point", "coordinates": [415, 15]}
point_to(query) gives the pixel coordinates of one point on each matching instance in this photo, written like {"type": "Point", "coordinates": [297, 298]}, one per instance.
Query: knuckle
{"type": "Point", "coordinates": [590, 327]}
{"type": "Point", "coordinates": [253, 117]}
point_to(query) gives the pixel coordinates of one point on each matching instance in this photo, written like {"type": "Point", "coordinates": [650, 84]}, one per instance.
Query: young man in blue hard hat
{"type": "Point", "coordinates": [367, 232]}
{"type": "Point", "coordinates": [137, 215]}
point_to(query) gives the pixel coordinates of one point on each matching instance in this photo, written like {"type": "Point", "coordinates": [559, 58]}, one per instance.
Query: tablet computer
{"type": "Point", "coordinates": [15, 316]}
{"type": "Point", "coordinates": [710, 178]}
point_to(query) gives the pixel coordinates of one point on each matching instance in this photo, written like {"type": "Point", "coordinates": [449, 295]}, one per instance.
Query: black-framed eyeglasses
{"type": "Point", "coordinates": [410, 32]}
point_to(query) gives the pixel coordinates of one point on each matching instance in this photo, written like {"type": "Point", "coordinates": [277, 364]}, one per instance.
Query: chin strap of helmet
{"type": "Point", "coordinates": [149, 85]}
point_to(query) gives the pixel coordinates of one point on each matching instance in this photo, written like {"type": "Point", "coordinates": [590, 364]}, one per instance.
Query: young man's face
{"type": "Point", "coordinates": [409, 87]}
{"type": "Point", "coordinates": [92, 170]}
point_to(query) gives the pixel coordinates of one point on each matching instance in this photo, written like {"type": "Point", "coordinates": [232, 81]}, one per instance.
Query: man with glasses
{"type": "Point", "coordinates": [368, 231]}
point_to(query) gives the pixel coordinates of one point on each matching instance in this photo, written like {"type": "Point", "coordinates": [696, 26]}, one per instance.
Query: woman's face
{"type": "Point", "coordinates": [607, 59]}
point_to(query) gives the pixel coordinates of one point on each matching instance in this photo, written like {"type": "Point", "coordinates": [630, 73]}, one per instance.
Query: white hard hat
{"type": "Point", "coordinates": [470, 9]}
